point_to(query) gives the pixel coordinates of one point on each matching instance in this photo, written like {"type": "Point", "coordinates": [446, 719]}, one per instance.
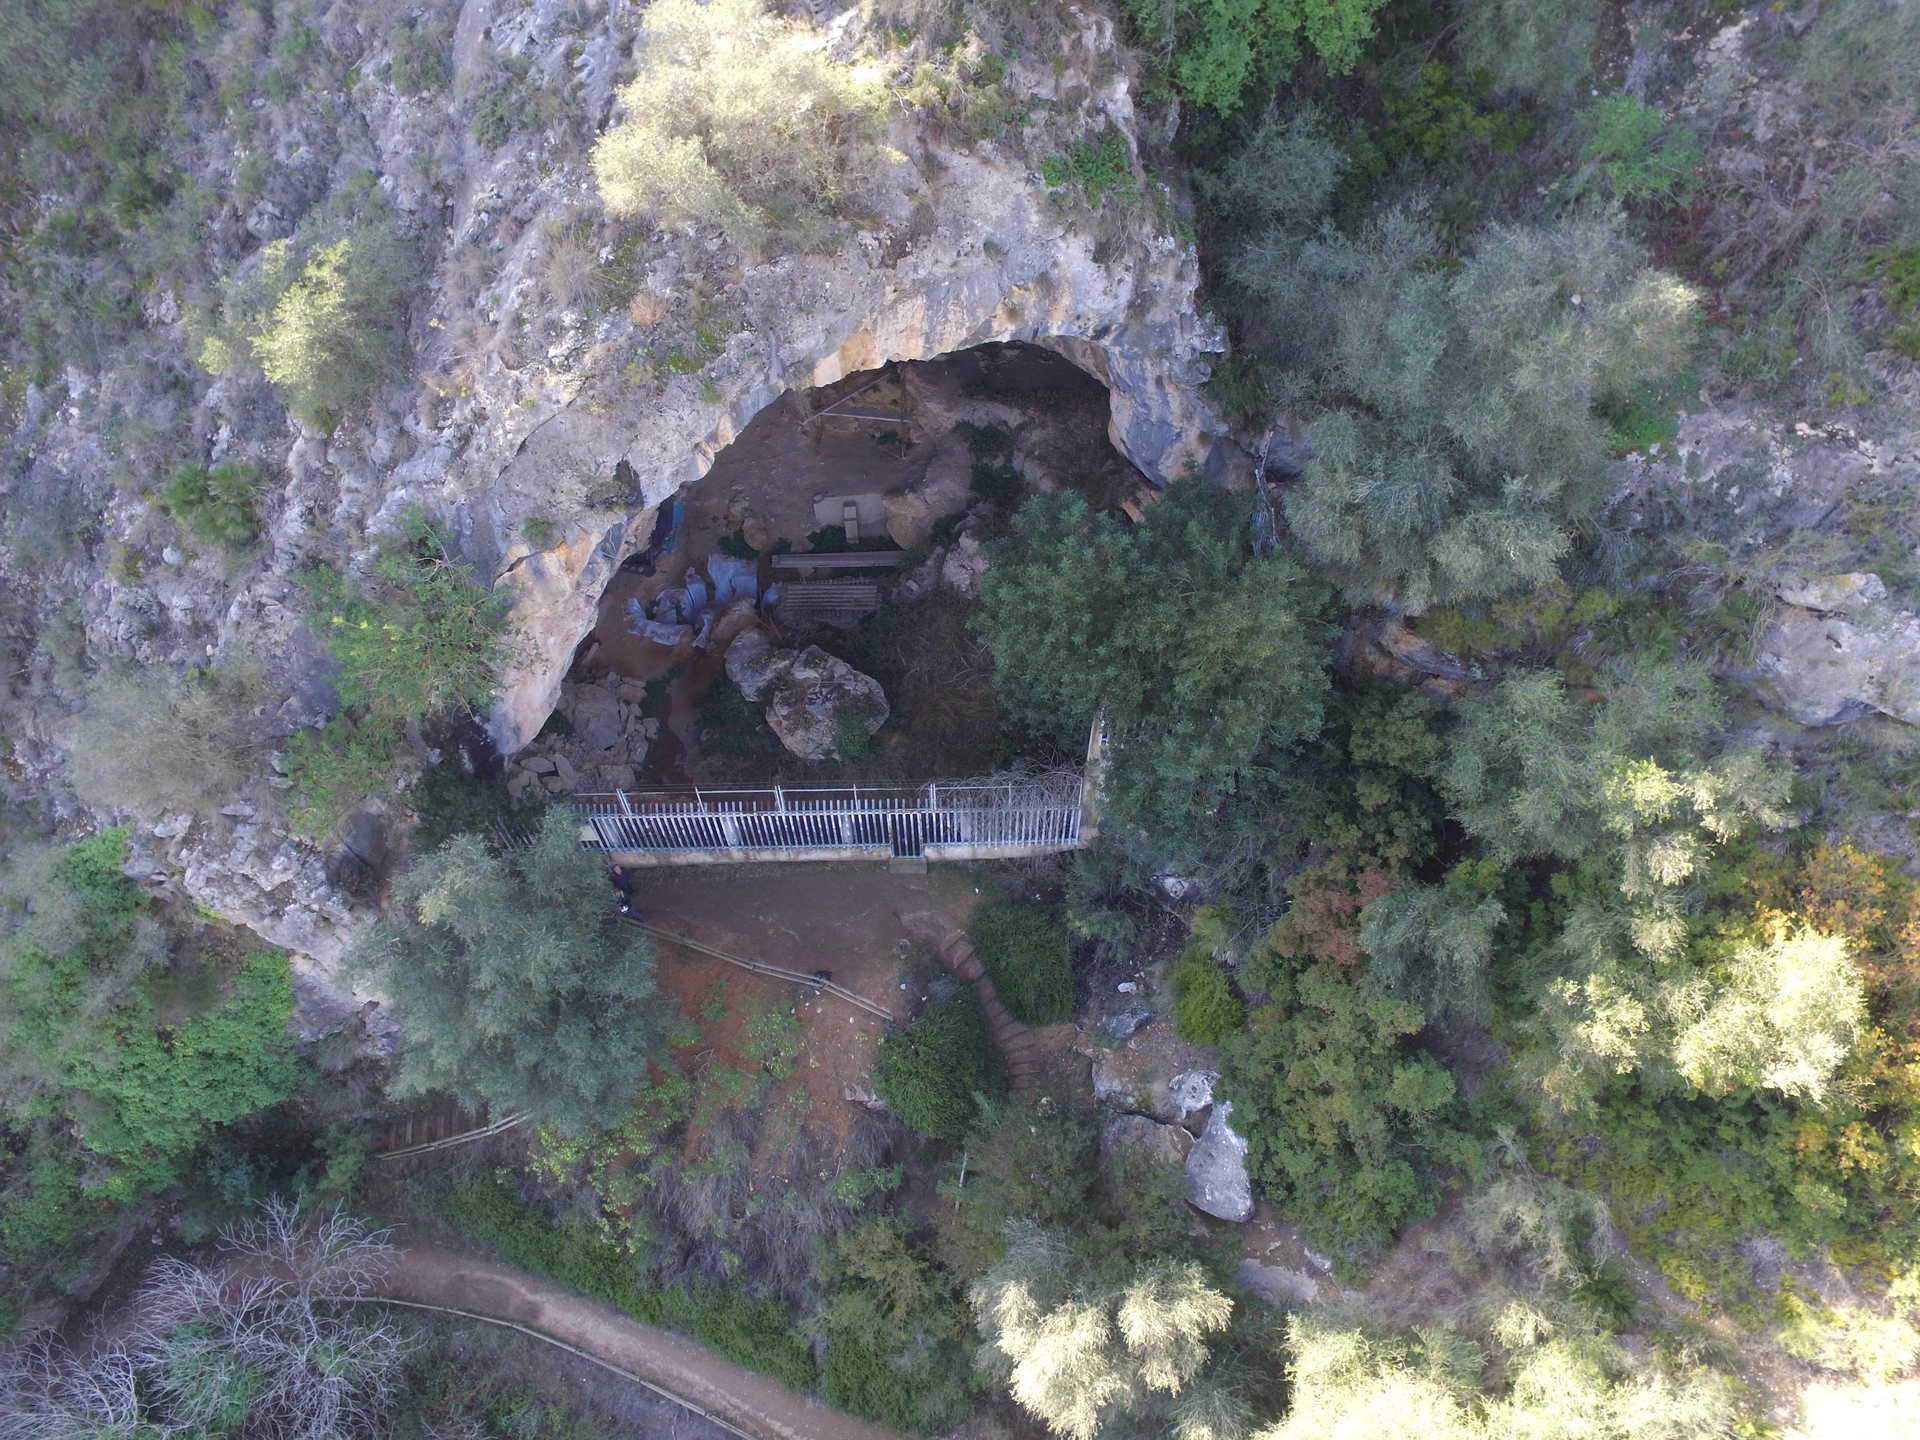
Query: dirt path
{"type": "Point", "coordinates": [429, 1275]}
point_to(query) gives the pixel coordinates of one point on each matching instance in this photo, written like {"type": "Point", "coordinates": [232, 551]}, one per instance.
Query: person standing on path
{"type": "Point", "coordinates": [622, 879]}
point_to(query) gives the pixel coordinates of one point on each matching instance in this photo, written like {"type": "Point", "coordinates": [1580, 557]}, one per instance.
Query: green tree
{"type": "Point", "coordinates": [329, 337]}
{"type": "Point", "coordinates": [514, 990]}
{"type": "Point", "coordinates": [898, 1334]}
{"type": "Point", "coordinates": [1464, 430]}
{"type": "Point", "coordinates": [1344, 1120]}
{"type": "Point", "coordinates": [1081, 1350]}
{"type": "Point", "coordinates": [1201, 654]}
{"type": "Point", "coordinates": [1433, 945]}
{"type": "Point", "coordinates": [1217, 50]}
{"type": "Point", "coordinates": [1560, 1380]}
{"type": "Point", "coordinates": [931, 1073]}
{"type": "Point", "coordinates": [1782, 1013]}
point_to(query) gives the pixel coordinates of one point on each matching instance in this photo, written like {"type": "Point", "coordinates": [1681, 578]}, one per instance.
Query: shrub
{"type": "Point", "coordinates": [736, 120]}
{"type": "Point", "coordinates": [1638, 153]}
{"type": "Point", "coordinates": [1098, 170]}
{"type": "Point", "coordinates": [1029, 957]}
{"type": "Point", "coordinates": [421, 635]}
{"type": "Point", "coordinates": [1205, 1009]}
{"type": "Point", "coordinates": [328, 336]}
{"type": "Point", "coordinates": [932, 1073]}
{"type": "Point", "coordinates": [216, 504]}
{"type": "Point", "coordinates": [511, 990]}
{"type": "Point", "coordinates": [157, 744]}
{"type": "Point", "coordinates": [335, 767]}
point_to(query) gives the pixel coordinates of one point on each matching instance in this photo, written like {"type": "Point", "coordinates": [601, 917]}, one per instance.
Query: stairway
{"type": "Point", "coordinates": [1018, 1047]}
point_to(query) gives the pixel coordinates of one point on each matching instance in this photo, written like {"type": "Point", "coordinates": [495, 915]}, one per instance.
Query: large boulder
{"type": "Point", "coordinates": [596, 718]}
{"type": "Point", "coordinates": [1217, 1178]}
{"type": "Point", "coordinates": [807, 692]}
{"type": "Point", "coordinates": [1822, 668]}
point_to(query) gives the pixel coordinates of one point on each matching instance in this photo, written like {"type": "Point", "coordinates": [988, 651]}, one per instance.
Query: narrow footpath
{"type": "Point", "coordinates": [761, 1407]}
{"type": "Point", "coordinates": [1019, 1049]}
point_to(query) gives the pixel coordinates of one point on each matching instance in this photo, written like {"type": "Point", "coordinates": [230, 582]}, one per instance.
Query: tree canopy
{"type": "Point", "coordinates": [514, 987]}
{"type": "Point", "coordinates": [1202, 654]}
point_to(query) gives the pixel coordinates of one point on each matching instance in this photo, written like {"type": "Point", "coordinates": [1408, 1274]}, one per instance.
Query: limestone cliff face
{"type": "Point", "coordinates": [516, 408]}
{"type": "Point", "coordinates": [997, 263]}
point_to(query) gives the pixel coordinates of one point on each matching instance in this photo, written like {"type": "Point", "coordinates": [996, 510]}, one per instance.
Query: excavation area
{"type": "Point", "coordinates": [798, 617]}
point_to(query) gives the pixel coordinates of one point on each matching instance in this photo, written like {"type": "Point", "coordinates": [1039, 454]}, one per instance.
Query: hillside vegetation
{"type": "Point", "coordinates": [1565, 990]}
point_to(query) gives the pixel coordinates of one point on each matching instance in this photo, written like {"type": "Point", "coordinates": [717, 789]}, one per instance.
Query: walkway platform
{"type": "Point", "coordinates": [935, 821]}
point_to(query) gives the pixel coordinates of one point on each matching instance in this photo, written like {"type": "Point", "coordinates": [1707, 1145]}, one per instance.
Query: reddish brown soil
{"type": "Point", "coordinates": [846, 919]}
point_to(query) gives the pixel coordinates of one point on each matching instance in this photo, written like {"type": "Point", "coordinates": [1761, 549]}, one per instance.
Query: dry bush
{"type": "Point", "coordinates": [264, 1342]}
{"type": "Point", "coordinates": [736, 119]}
{"type": "Point", "coordinates": [275, 1318]}
{"type": "Point", "coordinates": [573, 276]}
{"type": "Point", "coordinates": [156, 743]}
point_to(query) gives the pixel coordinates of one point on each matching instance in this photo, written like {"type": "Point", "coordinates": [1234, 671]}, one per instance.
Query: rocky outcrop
{"type": "Point", "coordinates": [1124, 1136]}
{"type": "Point", "coordinates": [1217, 1178]}
{"type": "Point", "coordinates": [602, 748]}
{"type": "Point", "coordinates": [1836, 650]}
{"type": "Point", "coordinates": [544, 436]}
{"type": "Point", "coordinates": [810, 695]}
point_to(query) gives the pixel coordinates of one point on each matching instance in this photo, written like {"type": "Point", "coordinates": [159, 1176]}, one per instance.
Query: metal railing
{"type": "Point", "coordinates": [897, 821]}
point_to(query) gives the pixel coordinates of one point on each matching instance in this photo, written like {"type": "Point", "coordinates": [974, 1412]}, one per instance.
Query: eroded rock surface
{"type": "Point", "coordinates": [544, 436]}
{"type": "Point", "coordinates": [810, 696]}
{"type": "Point", "coordinates": [1217, 1178]}
{"type": "Point", "coordinates": [1837, 650]}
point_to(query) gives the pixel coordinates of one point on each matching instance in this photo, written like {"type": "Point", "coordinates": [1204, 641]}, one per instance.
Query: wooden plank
{"type": "Point", "coordinates": [840, 560]}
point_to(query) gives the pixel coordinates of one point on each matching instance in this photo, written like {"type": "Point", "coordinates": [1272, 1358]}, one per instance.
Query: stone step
{"type": "Point", "coordinates": [907, 865]}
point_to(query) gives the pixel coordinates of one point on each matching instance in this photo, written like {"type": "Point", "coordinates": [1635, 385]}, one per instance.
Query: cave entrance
{"type": "Point", "coordinates": [848, 517]}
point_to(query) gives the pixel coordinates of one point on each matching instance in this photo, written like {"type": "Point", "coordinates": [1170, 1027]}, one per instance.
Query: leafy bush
{"type": "Point", "coordinates": [736, 120]}
{"type": "Point", "coordinates": [932, 1073]}
{"type": "Point", "coordinates": [86, 1039]}
{"type": "Point", "coordinates": [756, 1333]}
{"type": "Point", "coordinates": [511, 990]}
{"type": "Point", "coordinates": [335, 767]}
{"type": "Point", "coordinates": [1638, 153]}
{"type": "Point", "coordinates": [421, 635]}
{"type": "Point", "coordinates": [326, 336]}
{"type": "Point", "coordinates": [1028, 956]}
{"type": "Point", "coordinates": [216, 504]}
{"type": "Point", "coordinates": [157, 744]}
{"type": "Point", "coordinates": [1098, 170]}
{"type": "Point", "coordinates": [1205, 1009]}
